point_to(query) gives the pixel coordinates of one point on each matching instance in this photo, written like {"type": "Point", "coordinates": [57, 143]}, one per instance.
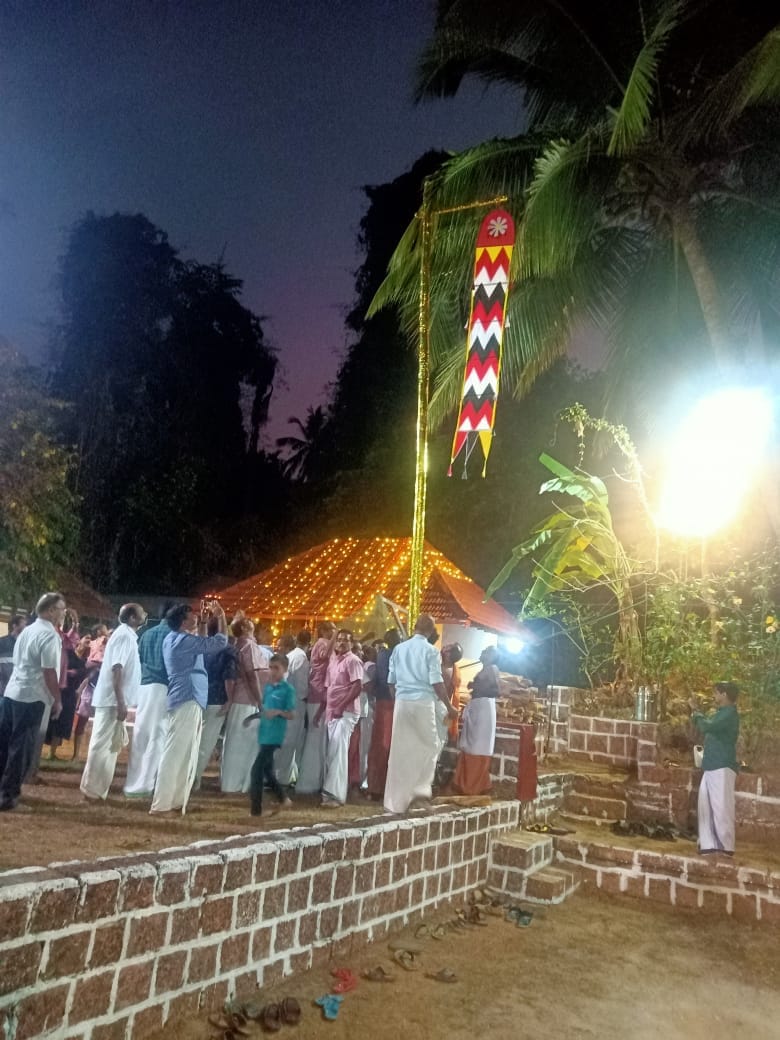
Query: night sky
{"type": "Point", "coordinates": [243, 128]}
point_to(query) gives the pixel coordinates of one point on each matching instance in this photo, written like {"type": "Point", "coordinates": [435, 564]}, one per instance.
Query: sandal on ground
{"type": "Point", "coordinates": [423, 932]}
{"type": "Point", "coordinates": [346, 980]}
{"type": "Point", "coordinates": [330, 1004]}
{"type": "Point", "coordinates": [520, 916]}
{"type": "Point", "coordinates": [253, 1010]}
{"type": "Point", "coordinates": [475, 916]}
{"type": "Point", "coordinates": [231, 1024]}
{"type": "Point", "coordinates": [290, 1011]}
{"type": "Point", "coordinates": [445, 975]}
{"type": "Point", "coordinates": [538, 828]}
{"type": "Point", "coordinates": [439, 932]}
{"type": "Point", "coordinates": [406, 960]}
{"type": "Point", "coordinates": [378, 974]}
{"type": "Point", "coordinates": [271, 1018]}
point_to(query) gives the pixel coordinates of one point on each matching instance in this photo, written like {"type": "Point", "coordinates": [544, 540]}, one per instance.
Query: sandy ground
{"type": "Point", "coordinates": [592, 967]}
{"type": "Point", "coordinates": [56, 825]}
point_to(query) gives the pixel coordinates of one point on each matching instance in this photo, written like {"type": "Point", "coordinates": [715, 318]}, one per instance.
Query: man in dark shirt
{"type": "Point", "coordinates": [222, 670]}
{"type": "Point", "coordinates": [719, 770]}
{"type": "Point", "coordinates": [382, 730]}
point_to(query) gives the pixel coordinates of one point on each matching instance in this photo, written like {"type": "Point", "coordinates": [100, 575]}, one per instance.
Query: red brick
{"type": "Point", "coordinates": [635, 886]}
{"type": "Point", "coordinates": [364, 877]}
{"type": "Point", "coordinates": [247, 908]}
{"type": "Point", "coordinates": [265, 866]}
{"type": "Point", "coordinates": [659, 890]}
{"type": "Point", "coordinates": [405, 838]}
{"type": "Point", "coordinates": [185, 924]}
{"type": "Point", "coordinates": [134, 984]}
{"type": "Point", "coordinates": [353, 846]}
{"type": "Point", "coordinates": [298, 895]}
{"type": "Point", "coordinates": [307, 930]}
{"type": "Point", "coordinates": [581, 722]}
{"type": "Point", "coordinates": [686, 895]}
{"type": "Point", "coordinates": [91, 997]}
{"type": "Point", "coordinates": [238, 873]}
{"type": "Point", "coordinates": [415, 858]}
{"type": "Point", "coordinates": [654, 863]}
{"type": "Point", "coordinates": [332, 849]}
{"type": "Point", "coordinates": [622, 727]}
{"type": "Point", "coordinates": [147, 934]}
{"type": "Point", "coordinates": [300, 962]}
{"type": "Point", "coordinates": [602, 725]}
{"type": "Point", "coordinates": [173, 885]}
{"type": "Point", "coordinates": [170, 972]}
{"type": "Point", "coordinates": [55, 909]}
{"type": "Point", "coordinates": [714, 901]}
{"type": "Point", "coordinates": [289, 862]}
{"type": "Point", "coordinates": [20, 968]}
{"type": "Point", "coordinates": [596, 742]}
{"type": "Point", "coordinates": [577, 741]}
{"type": "Point", "coordinates": [398, 873]}
{"type": "Point", "coordinates": [443, 855]}
{"type": "Point", "coordinates": [429, 859]}
{"type": "Point", "coordinates": [311, 856]}
{"type": "Point", "coordinates": [183, 1007]}
{"type": "Point", "coordinates": [372, 845]}
{"type": "Point", "coordinates": [322, 886]}
{"type": "Point", "coordinates": [382, 872]}
{"type": "Point", "coordinates": [216, 993]}
{"type": "Point", "coordinates": [13, 918]}
{"type": "Point", "coordinates": [329, 922]}
{"type": "Point", "coordinates": [350, 915]}
{"type": "Point", "coordinates": [261, 942]}
{"type": "Point", "coordinates": [216, 915]}
{"type": "Point", "coordinates": [147, 1022]}
{"type": "Point", "coordinates": [136, 891]}
{"type": "Point", "coordinates": [744, 907]}
{"type": "Point", "coordinates": [770, 912]}
{"type": "Point", "coordinates": [98, 898]}
{"type": "Point", "coordinates": [345, 878]}
{"type": "Point", "coordinates": [274, 899]}
{"type": "Point", "coordinates": [611, 854]}
{"type": "Point", "coordinates": [116, 1030]}
{"type": "Point", "coordinates": [434, 832]}
{"type": "Point", "coordinates": [285, 936]}
{"type": "Point", "coordinates": [67, 955]}
{"type": "Point", "coordinates": [610, 882]}
{"type": "Point", "coordinates": [618, 747]}
{"type": "Point", "coordinates": [203, 962]}
{"type": "Point", "coordinates": [646, 752]}
{"type": "Point", "coordinates": [207, 879]}
{"type": "Point", "coordinates": [273, 973]}
{"type": "Point", "coordinates": [234, 952]}
{"type": "Point", "coordinates": [41, 1012]}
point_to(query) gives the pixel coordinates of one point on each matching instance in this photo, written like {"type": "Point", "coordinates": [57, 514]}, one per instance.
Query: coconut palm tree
{"type": "Point", "coordinates": [647, 184]}
{"type": "Point", "coordinates": [304, 452]}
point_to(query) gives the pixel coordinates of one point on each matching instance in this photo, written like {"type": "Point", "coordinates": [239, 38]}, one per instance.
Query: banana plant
{"type": "Point", "coordinates": [576, 550]}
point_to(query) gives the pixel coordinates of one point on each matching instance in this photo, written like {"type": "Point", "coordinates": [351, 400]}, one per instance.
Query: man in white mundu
{"type": "Point", "coordinates": [416, 683]}
{"type": "Point", "coordinates": [288, 757]}
{"type": "Point", "coordinates": [150, 714]}
{"type": "Point", "coordinates": [344, 683]}
{"type": "Point", "coordinates": [717, 816]}
{"type": "Point", "coordinates": [312, 769]}
{"type": "Point", "coordinates": [183, 650]}
{"type": "Point", "coordinates": [117, 686]}
{"type": "Point", "coordinates": [239, 748]}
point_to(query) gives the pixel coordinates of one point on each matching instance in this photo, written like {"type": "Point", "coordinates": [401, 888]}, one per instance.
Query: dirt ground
{"type": "Point", "coordinates": [55, 825]}
{"type": "Point", "coordinates": [591, 968]}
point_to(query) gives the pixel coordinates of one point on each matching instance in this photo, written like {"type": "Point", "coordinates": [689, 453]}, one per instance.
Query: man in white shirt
{"type": "Point", "coordinates": [416, 683]}
{"type": "Point", "coordinates": [288, 757]}
{"type": "Point", "coordinates": [117, 685]}
{"type": "Point", "coordinates": [33, 688]}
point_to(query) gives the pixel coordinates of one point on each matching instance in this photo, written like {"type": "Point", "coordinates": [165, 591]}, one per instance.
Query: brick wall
{"type": "Point", "coordinates": [116, 948]}
{"type": "Point", "coordinates": [689, 881]}
{"type": "Point", "coordinates": [617, 742]}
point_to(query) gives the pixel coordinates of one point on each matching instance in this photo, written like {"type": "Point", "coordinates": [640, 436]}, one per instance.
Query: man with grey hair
{"type": "Point", "coordinates": [33, 689]}
{"type": "Point", "coordinates": [417, 685]}
{"type": "Point", "coordinates": [117, 685]}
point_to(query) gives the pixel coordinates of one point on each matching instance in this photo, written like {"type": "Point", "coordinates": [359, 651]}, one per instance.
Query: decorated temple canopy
{"type": "Point", "coordinates": [342, 579]}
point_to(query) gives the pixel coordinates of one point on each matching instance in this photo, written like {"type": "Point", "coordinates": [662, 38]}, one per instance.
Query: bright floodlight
{"type": "Point", "coordinates": [713, 460]}
{"type": "Point", "coordinates": [514, 646]}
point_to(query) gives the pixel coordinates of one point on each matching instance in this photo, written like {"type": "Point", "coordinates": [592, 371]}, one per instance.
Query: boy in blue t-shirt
{"type": "Point", "coordinates": [279, 701]}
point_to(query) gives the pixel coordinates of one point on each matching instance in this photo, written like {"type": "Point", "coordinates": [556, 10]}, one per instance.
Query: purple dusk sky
{"type": "Point", "coordinates": [241, 128]}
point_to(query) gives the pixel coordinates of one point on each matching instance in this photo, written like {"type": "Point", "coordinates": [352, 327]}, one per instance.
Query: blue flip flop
{"type": "Point", "coordinates": [330, 1004]}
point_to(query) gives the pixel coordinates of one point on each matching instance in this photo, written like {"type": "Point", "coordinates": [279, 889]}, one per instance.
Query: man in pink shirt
{"type": "Point", "coordinates": [312, 768]}
{"type": "Point", "coordinates": [344, 681]}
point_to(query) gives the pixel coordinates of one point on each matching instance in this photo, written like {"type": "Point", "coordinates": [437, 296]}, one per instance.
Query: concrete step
{"type": "Point", "coordinates": [551, 885]}
{"type": "Point", "coordinates": [601, 786]}
{"type": "Point", "coordinates": [521, 850]}
{"type": "Point", "coordinates": [595, 806]}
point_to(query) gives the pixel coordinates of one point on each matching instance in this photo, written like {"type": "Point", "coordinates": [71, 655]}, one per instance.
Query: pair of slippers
{"type": "Point", "coordinates": [519, 916]}
{"type": "Point", "coordinates": [233, 1024]}
{"type": "Point", "coordinates": [345, 982]}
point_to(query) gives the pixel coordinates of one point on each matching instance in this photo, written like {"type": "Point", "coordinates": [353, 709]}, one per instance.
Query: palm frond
{"type": "Point", "coordinates": [632, 119]}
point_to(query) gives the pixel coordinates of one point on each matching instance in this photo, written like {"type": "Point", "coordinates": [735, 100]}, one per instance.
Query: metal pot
{"type": "Point", "coordinates": [646, 706]}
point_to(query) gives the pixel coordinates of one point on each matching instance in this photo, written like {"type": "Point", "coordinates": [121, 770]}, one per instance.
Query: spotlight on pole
{"type": "Point", "coordinates": [714, 459]}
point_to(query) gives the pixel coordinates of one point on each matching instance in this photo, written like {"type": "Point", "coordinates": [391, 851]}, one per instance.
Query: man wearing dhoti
{"type": "Point", "coordinates": [478, 737]}
{"type": "Point", "coordinates": [150, 714]}
{"type": "Point", "coordinates": [312, 770]}
{"type": "Point", "coordinates": [288, 757]}
{"type": "Point", "coordinates": [719, 770]}
{"type": "Point", "coordinates": [117, 686]}
{"type": "Point", "coordinates": [416, 682]}
{"type": "Point", "coordinates": [344, 683]}
{"type": "Point", "coordinates": [183, 651]}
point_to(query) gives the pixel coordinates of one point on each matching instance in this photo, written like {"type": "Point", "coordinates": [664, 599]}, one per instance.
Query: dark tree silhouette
{"type": "Point", "coordinates": [303, 455]}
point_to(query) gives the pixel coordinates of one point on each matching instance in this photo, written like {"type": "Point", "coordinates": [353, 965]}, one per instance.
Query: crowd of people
{"type": "Point", "coordinates": [342, 715]}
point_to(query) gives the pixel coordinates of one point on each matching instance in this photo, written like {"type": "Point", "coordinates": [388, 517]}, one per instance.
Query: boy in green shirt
{"type": "Point", "coordinates": [719, 770]}
{"type": "Point", "coordinates": [278, 706]}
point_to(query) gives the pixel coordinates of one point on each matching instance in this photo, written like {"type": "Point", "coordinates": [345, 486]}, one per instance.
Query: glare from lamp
{"type": "Point", "coordinates": [714, 459]}
{"type": "Point", "coordinates": [514, 645]}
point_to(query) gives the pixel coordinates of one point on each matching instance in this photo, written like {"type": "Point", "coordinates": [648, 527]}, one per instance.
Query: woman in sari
{"type": "Point", "coordinates": [478, 736]}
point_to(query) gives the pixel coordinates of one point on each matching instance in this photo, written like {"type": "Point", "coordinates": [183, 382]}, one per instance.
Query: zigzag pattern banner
{"type": "Point", "coordinates": [477, 415]}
